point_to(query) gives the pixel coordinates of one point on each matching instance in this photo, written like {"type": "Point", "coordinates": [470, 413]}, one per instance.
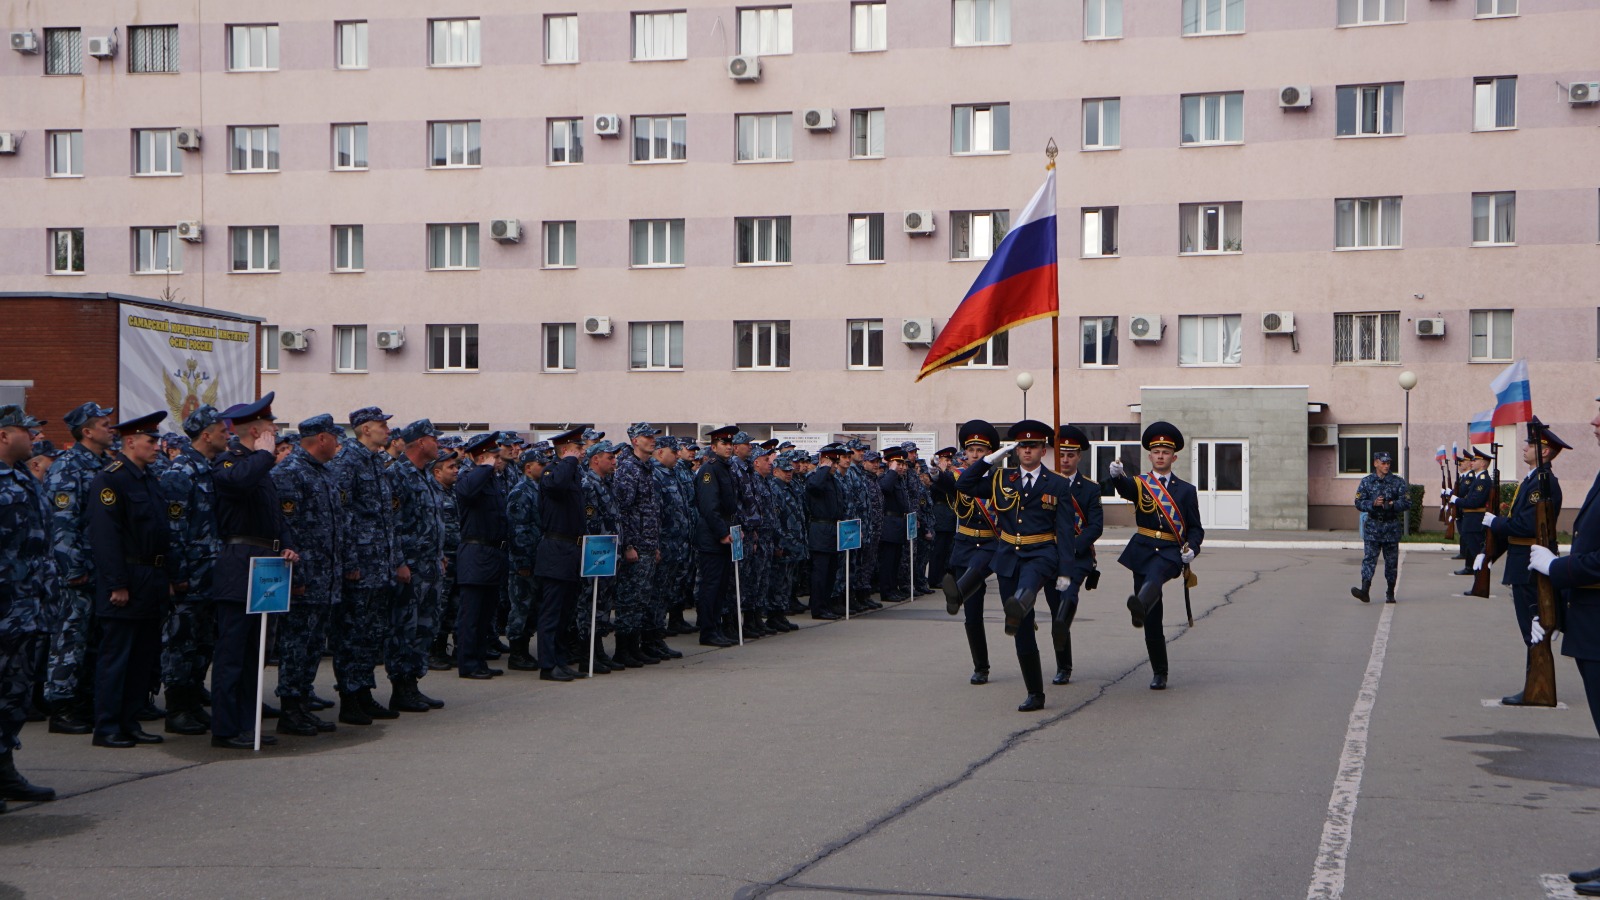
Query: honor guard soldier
{"type": "Point", "coordinates": [558, 562]}
{"type": "Point", "coordinates": [1471, 501]}
{"type": "Point", "coordinates": [1034, 513]}
{"type": "Point", "coordinates": [27, 576]}
{"type": "Point", "coordinates": [1466, 474]}
{"type": "Point", "coordinates": [190, 634]}
{"type": "Point", "coordinates": [716, 498]}
{"type": "Point", "coordinates": [1165, 541]}
{"type": "Point", "coordinates": [481, 559]}
{"type": "Point", "coordinates": [1516, 530]}
{"type": "Point", "coordinates": [825, 508]}
{"type": "Point", "coordinates": [973, 547]}
{"type": "Point", "coordinates": [1384, 497]}
{"type": "Point", "coordinates": [1088, 522]}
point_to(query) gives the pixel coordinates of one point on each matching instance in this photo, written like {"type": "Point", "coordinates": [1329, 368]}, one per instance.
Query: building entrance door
{"type": "Point", "coordinates": [1221, 469]}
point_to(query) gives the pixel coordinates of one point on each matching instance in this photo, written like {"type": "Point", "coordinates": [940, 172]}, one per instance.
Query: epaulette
{"type": "Point", "coordinates": [114, 466]}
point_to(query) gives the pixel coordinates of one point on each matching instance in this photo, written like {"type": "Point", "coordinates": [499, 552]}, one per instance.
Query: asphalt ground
{"type": "Point", "coordinates": [852, 758]}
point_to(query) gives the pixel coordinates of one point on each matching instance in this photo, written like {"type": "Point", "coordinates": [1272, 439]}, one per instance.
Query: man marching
{"type": "Point", "coordinates": [975, 540]}
{"type": "Point", "coordinates": [1088, 523]}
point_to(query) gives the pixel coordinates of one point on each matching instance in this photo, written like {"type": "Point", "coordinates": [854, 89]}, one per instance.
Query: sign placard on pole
{"type": "Point", "coordinates": [911, 526]}
{"type": "Point", "coordinates": [911, 554]}
{"type": "Point", "coordinates": [847, 537]}
{"type": "Point", "coordinates": [736, 545]}
{"type": "Point", "coordinates": [599, 554]}
{"type": "Point", "coordinates": [268, 592]}
{"type": "Point", "coordinates": [736, 541]}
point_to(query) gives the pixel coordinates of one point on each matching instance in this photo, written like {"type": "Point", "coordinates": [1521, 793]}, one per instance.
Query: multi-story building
{"type": "Point", "coordinates": [518, 214]}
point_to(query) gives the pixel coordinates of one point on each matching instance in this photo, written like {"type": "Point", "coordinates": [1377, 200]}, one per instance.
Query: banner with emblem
{"type": "Point", "coordinates": [177, 362]}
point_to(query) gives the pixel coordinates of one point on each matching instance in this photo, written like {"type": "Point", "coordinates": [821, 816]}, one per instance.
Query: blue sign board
{"type": "Point", "coordinates": [911, 526]}
{"type": "Point", "coordinates": [849, 535]}
{"type": "Point", "coordinates": [599, 556]}
{"type": "Point", "coordinates": [736, 535]}
{"type": "Point", "coordinates": [269, 585]}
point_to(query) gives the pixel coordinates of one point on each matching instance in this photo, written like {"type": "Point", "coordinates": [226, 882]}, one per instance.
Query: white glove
{"type": "Point", "coordinates": [1539, 559]}
{"type": "Point", "coordinates": [1477, 562]}
{"type": "Point", "coordinates": [1117, 469]}
{"type": "Point", "coordinates": [1535, 632]}
{"type": "Point", "coordinates": [1063, 583]}
{"type": "Point", "coordinates": [1186, 555]}
{"type": "Point", "coordinates": [1488, 519]}
{"type": "Point", "coordinates": [1000, 454]}
{"type": "Point", "coordinates": [1445, 495]}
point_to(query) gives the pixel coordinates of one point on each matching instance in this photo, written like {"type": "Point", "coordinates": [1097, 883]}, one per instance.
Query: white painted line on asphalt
{"type": "Point", "coordinates": [1327, 875]}
{"type": "Point", "coordinates": [1489, 703]}
{"type": "Point", "coordinates": [1557, 887]}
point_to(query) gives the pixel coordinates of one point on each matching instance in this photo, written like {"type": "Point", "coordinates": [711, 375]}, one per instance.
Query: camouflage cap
{"type": "Point", "coordinates": [418, 430]}
{"type": "Point", "coordinates": [45, 448]}
{"type": "Point", "coordinates": [739, 437]}
{"type": "Point", "coordinates": [534, 455]}
{"type": "Point", "coordinates": [12, 416]}
{"type": "Point", "coordinates": [319, 424]}
{"type": "Point", "coordinates": [758, 451]}
{"type": "Point", "coordinates": [784, 462]}
{"type": "Point", "coordinates": [872, 456]}
{"type": "Point", "coordinates": [598, 447]}
{"type": "Point", "coordinates": [668, 442]}
{"type": "Point", "coordinates": [289, 437]}
{"type": "Point", "coordinates": [201, 419]}
{"type": "Point", "coordinates": [589, 434]}
{"type": "Point", "coordinates": [1382, 456]}
{"type": "Point", "coordinates": [367, 414]}
{"type": "Point", "coordinates": [84, 413]}
{"type": "Point", "coordinates": [642, 429]}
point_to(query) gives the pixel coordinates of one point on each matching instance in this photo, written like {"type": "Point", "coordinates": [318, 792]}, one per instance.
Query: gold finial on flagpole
{"type": "Point", "coordinates": [1051, 151]}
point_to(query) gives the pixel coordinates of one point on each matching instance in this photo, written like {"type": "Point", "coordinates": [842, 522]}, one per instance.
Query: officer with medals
{"type": "Point", "coordinates": [973, 547]}
{"type": "Point", "coordinates": [1166, 540]}
{"type": "Point", "coordinates": [1088, 523]}
{"type": "Point", "coordinates": [481, 558]}
{"type": "Point", "coordinates": [1033, 512]}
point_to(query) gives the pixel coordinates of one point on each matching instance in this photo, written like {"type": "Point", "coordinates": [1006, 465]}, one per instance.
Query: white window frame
{"type": "Point", "coordinates": [1218, 354]}
{"type": "Point", "coordinates": [350, 44]}
{"type": "Point", "coordinates": [350, 349]}
{"type": "Point", "coordinates": [1098, 326]}
{"type": "Point", "coordinates": [260, 250]}
{"type": "Point", "coordinates": [1098, 223]}
{"type": "Point", "coordinates": [350, 140]}
{"type": "Point", "coordinates": [53, 62]}
{"type": "Point", "coordinates": [1225, 212]}
{"type": "Point", "coordinates": [1499, 214]}
{"type": "Point", "coordinates": [1368, 103]}
{"type": "Point", "coordinates": [259, 140]}
{"type": "Point", "coordinates": [667, 232]}
{"type": "Point", "coordinates": [976, 233]}
{"type": "Point", "coordinates": [869, 26]}
{"type": "Point", "coordinates": [764, 137]}
{"type": "Point", "coordinates": [257, 43]}
{"type": "Point", "coordinates": [564, 139]}
{"type": "Point", "coordinates": [1366, 434]}
{"type": "Point", "coordinates": [65, 154]}
{"type": "Point", "coordinates": [349, 243]}
{"type": "Point", "coordinates": [656, 133]}
{"type": "Point", "coordinates": [1210, 17]}
{"type": "Point", "coordinates": [1224, 109]}
{"type": "Point", "coordinates": [771, 345]}
{"type": "Point", "coordinates": [1361, 13]}
{"type": "Point", "coordinates": [460, 248]}
{"type": "Point", "coordinates": [271, 353]}
{"type": "Point", "coordinates": [561, 39]}
{"type": "Point", "coordinates": [994, 348]}
{"type": "Point", "coordinates": [1102, 20]}
{"type": "Point", "coordinates": [766, 30]}
{"type": "Point", "coordinates": [147, 245]}
{"type": "Point", "coordinates": [167, 35]}
{"type": "Point", "coordinates": [72, 238]}
{"type": "Point", "coordinates": [1496, 9]}
{"type": "Point", "coordinates": [981, 124]}
{"type": "Point", "coordinates": [566, 346]}
{"type": "Point", "coordinates": [660, 36]}
{"type": "Point", "coordinates": [1484, 328]}
{"type": "Point", "coordinates": [1102, 119]}
{"type": "Point", "coordinates": [1363, 223]}
{"type": "Point", "coordinates": [763, 241]}
{"type": "Point", "coordinates": [455, 43]}
{"type": "Point", "coordinates": [462, 143]}
{"type": "Point", "coordinates": [460, 347]}
{"type": "Point", "coordinates": [1366, 336]}
{"type": "Point", "coordinates": [980, 23]}
{"type": "Point", "coordinates": [860, 232]}
{"type": "Point", "coordinates": [868, 131]}
{"type": "Point", "coordinates": [1486, 97]}
{"type": "Point", "coordinates": [561, 244]}
{"type": "Point", "coordinates": [859, 334]}
{"type": "Point", "coordinates": [156, 153]}
{"type": "Point", "coordinates": [657, 346]}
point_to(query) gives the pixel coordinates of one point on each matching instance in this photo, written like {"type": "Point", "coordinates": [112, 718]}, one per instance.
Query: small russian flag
{"type": "Point", "coordinates": [1513, 402]}
{"type": "Point", "coordinates": [1438, 457]}
{"type": "Point", "coordinates": [1481, 429]}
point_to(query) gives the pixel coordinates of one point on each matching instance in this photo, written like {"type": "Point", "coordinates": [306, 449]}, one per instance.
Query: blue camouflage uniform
{"type": "Point", "coordinates": [308, 496]}
{"type": "Point", "coordinates": [789, 542]}
{"type": "Point", "coordinates": [633, 490]}
{"type": "Point", "coordinates": [601, 516]}
{"type": "Point", "coordinates": [522, 509]}
{"type": "Point", "coordinates": [685, 471]}
{"type": "Point", "coordinates": [760, 553]}
{"type": "Point", "coordinates": [449, 593]}
{"type": "Point", "coordinates": [675, 524]}
{"type": "Point", "coordinates": [414, 608]}
{"type": "Point", "coordinates": [372, 549]}
{"type": "Point", "coordinates": [70, 677]}
{"type": "Point", "coordinates": [27, 578]}
{"type": "Point", "coordinates": [189, 635]}
{"type": "Point", "coordinates": [1384, 523]}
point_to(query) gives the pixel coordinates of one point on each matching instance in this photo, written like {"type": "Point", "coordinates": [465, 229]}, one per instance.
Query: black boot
{"type": "Point", "coordinates": [416, 689]}
{"type": "Point", "coordinates": [978, 643]}
{"type": "Point", "coordinates": [1140, 604]}
{"type": "Point", "coordinates": [1017, 609]}
{"type": "Point", "coordinates": [72, 717]}
{"type": "Point", "coordinates": [351, 710]}
{"type": "Point", "coordinates": [1157, 649]}
{"type": "Point", "coordinates": [372, 707]}
{"type": "Point", "coordinates": [958, 589]}
{"type": "Point", "coordinates": [1360, 593]}
{"type": "Point", "coordinates": [296, 718]}
{"type": "Point", "coordinates": [625, 654]}
{"type": "Point", "coordinates": [521, 658]}
{"type": "Point", "coordinates": [150, 712]}
{"type": "Point", "coordinates": [315, 703]}
{"type": "Point", "coordinates": [14, 787]}
{"type": "Point", "coordinates": [182, 704]}
{"type": "Point", "coordinates": [663, 649]}
{"type": "Point", "coordinates": [1033, 679]}
{"type": "Point", "coordinates": [403, 697]}
{"type": "Point", "coordinates": [1389, 597]}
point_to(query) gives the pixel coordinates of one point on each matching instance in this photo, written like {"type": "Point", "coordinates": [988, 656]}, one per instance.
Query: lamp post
{"type": "Point", "coordinates": [1025, 382]}
{"type": "Point", "coordinates": [1408, 380]}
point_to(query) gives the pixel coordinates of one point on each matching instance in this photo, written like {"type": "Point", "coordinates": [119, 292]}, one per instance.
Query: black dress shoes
{"type": "Point", "coordinates": [1014, 613]}
{"type": "Point", "coordinates": [826, 615]}
{"type": "Point", "coordinates": [1158, 683]}
{"type": "Point", "coordinates": [140, 736]}
{"type": "Point", "coordinates": [476, 675]}
{"type": "Point", "coordinates": [715, 640]}
{"type": "Point", "coordinates": [1462, 571]}
{"type": "Point", "coordinates": [1034, 703]}
{"type": "Point", "coordinates": [1587, 889]}
{"type": "Point", "coordinates": [559, 673]}
{"type": "Point", "coordinates": [1514, 700]}
{"type": "Point", "coordinates": [1063, 676]}
{"type": "Point", "coordinates": [232, 743]}
{"type": "Point", "coordinates": [979, 676]}
{"type": "Point", "coordinates": [1581, 877]}
{"type": "Point", "coordinates": [115, 741]}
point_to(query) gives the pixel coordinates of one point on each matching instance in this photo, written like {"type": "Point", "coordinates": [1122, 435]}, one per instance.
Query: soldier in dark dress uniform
{"type": "Point", "coordinates": [558, 562]}
{"type": "Point", "coordinates": [897, 502]}
{"type": "Point", "coordinates": [826, 506]}
{"type": "Point", "coordinates": [942, 505]}
{"type": "Point", "coordinates": [1088, 524]}
{"type": "Point", "coordinates": [1471, 499]}
{"type": "Point", "coordinates": [481, 559]}
{"type": "Point", "coordinates": [973, 547]}
{"type": "Point", "coordinates": [716, 497]}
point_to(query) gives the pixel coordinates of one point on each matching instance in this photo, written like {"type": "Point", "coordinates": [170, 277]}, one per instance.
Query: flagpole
{"type": "Point", "coordinates": [1050, 152]}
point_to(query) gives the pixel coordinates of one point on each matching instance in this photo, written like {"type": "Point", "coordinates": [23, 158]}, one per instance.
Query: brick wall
{"type": "Point", "coordinates": [67, 348]}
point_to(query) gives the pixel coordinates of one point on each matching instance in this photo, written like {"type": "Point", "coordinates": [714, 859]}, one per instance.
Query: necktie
{"type": "Point", "coordinates": [1027, 482]}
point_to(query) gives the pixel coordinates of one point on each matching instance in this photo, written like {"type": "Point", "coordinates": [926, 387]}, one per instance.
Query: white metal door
{"type": "Point", "coordinates": [1221, 470]}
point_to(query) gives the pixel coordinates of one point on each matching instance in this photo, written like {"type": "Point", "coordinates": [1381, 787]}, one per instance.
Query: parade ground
{"type": "Point", "coordinates": [1309, 746]}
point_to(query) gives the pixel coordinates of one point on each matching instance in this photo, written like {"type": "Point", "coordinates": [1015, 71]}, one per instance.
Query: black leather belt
{"type": "Point", "coordinates": [498, 545]}
{"type": "Point", "coordinates": [263, 543]}
{"type": "Point", "coordinates": [159, 562]}
{"type": "Point", "coordinates": [824, 521]}
{"type": "Point", "coordinates": [558, 536]}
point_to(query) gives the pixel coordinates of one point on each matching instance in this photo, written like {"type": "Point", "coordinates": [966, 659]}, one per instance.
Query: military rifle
{"type": "Point", "coordinates": [1447, 510]}
{"type": "Point", "coordinates": [1539, 688]}
{"type": "Point", "coordinates": [1491, 544]}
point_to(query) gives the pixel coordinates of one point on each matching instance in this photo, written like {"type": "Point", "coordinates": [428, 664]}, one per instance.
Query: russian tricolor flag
{"type": "Point", "coordinates": [1481, 429]}
{"type": "Point", "coordinates": [1513, 402]}
{"type": "Point", "coordinates": [1439, 457]}
{"type": "Point", "coordinates": [1017, 285]}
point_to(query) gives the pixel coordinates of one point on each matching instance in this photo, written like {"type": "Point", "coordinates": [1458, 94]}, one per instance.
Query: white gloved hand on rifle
{"type": "Point", "coordinates": [1535, 632]}
{"type": "Point", "coordinates": [1477, 562]}
{"type": "Point", "coordinates": [1187, 555]}
{"type": "Point", "coordinates": [1117, 469]}
{"type": "Point", "coordinates": [1000, 454]}
{"type": "Point", "coordinates": [1445, 495]}
{"type": "Point", "coordinates": [1540, 558]}
{"type": "Point", "coordinates": [1063, 583]}
{"type": "Point", "coordinates": [1488, 519]}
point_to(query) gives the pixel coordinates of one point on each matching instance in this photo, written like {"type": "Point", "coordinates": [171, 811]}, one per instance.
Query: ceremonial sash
{"type": "Point", "coordinates": [1167, 506]}
{"type": "Point", "coordinates": [982, 505]}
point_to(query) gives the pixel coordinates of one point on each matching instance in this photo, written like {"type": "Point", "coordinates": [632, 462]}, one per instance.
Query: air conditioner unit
{"type": "Point", "coordinates": [1295, 96]}
{"type": "Point", "coordinates": [508, 230]}
{"type": "Point", "coordinates": [818, 119]}
{"type": "Point", "coordinates": [102, 47]}
{"type": "Point", "coordinates": [293, 340]}
{"type": "Point", "coordinates": [599, 326]}
{"type": "Point", "coordinates": [919, 221]}
{"type": "Point", "coordinates": [189, 230]}
{"type": "Point", "coordinates": [9, 141]}
{"type": "Point", "coordinates": [916, 331]}
{"type": "Point", "coordinates": [1277, 322]}
{"type": "Point", "coordinates": [1583, 92]}
{"type": "Point", "coordinates": [187, 138]}
{"type": "Point", "coordinates": [744, 68]}
{"type": "Point", "coordinates": [1144, 328]}
{"type": "Point", "coordinates": [608, 125]}
{"type": "Point", "coordinates": [1430, 327]}
{"type": "Point", "coordinates": [391, 340]}
{"type": "Point", "coordinates": [1323, 435]}
{"type": "Point", "coordinates": [24, 42]}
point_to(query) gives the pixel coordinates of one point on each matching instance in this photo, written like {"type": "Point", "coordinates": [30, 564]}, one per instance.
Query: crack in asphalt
{"type": "Point", "coordinates": [786, 881]}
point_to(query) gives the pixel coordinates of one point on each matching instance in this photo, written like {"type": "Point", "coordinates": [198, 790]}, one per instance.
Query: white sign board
{"type": "Point", "coordinates": [927, 441]}
{"type": "Point", "coordinates": [176, 363]}
{"type": "Point", "coordinates": [809, 441]}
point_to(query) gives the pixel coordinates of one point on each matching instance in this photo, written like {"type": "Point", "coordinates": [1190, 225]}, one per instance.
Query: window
{"type": "Point", "coordinates": [1494, 103]}
{"type": "Point", "coordinates": [1102, 19]}
{"type": "Point", "coordinates": [453, 42]}
{"type": "Point", "coordinates": [455, 145]}
{"type": "Point", "coordinates": [1371, 12]}
{"type": "Point", "coordinates": [453, 246]}
{"type": "Point", "coordinates": [1102, 124]}
{"type": "Point", "coordinates": [657, 242]}
{"type": "Point", "coordinates": [1494, 218]}
{"type": "Point", "coordinates": [1367, 223]}
{"type": "Point", "coordinates": [1366, 338]}
{"type": "Point", "coordinates": [452, 348]}
{"type": "Point", "coordinates": [866, 344]}
{"type": "Point", "coordinates": [1487, 8]}
{"type": "Point", "coordinates": [255, 148]}
{"type": "Point", "coordinates": [1213, 16]}
{"type": "Point", "coordinates": [979, 22]}
{"type": "Point", "coordinates": [866, 134]}
{"type": "Point", "coordinates": [155, 152]}
{"type": "Point", "coordinates": [1099, 231]}
{"type": "Point", "coordinates": [869, 26]}
{"type": "Point", "coordinates": [66, 251]}
{"type": "Point", "coordinates": [561, 38]}
{"type": "Point", "coordinates": [152, 48]}
{"type": "Point", "coordinates": [252, 48]}
{"type": "Point", "coordinates": [1099, 342]}
{"type": "Point", "coordinates": [975, 235]}
{"type": "Point", "coordinates": [866, 238]}
{"type": "Point", "coordinates": [351, 44]}
{"type": "Point", "coordinates": [1356, 450]}
{"type": "Point", "coordinates": [765, 138]}
{"type": "Point", "coordinates": [981, 129]}
{"type": "Point", "coordinates": [1371, 109]}
{"type": "Point", "coordinates": [660, 35]}
{"type": "Point", "coordinates": [63, 51]}
{"type": "Point", "coordinates": [994, 353]}
{"type": "Point", "coordinates": [350, 147]}
{"type": "Point", "coordinates": [656, 345]}
{"type": "Point", "coordinates": [66, 154]}
{"type": "Point", "coordinates": [561, 245]}
{"type": "Point", "coordinates": [761, 345]}
{"type": "Point", "coordinates": [255, 248]}
{"type": "Point", "coordinates": [762, 241]}
{"type": "Point", "coordinates": [348, 252]}
{"type": "Point", "coordinates": [1106, 443]}
{"type": "Point", "coordinates": [660, 139]}
{"type": "Point", "coordinates": [1208, 341]}
{"type": "Point", "coordinates": [350, 348]}
{"type": "Point", "coordinates": [157, 250]}
{"type": "Point", "coordinates": [561, 347]}
{"type": "Point", "coordinates": [766, 32]}
{"type": "Point", "coordinates": [566, 142]}
{"type": "Point", "coordinates": [1213, 118]}
{"type": "Point", "coordinates": [1209, 228]}
{"type": "Point", "coordinates": [269, 348]}
{"type": "Point", "coordinates": [1491, 335]}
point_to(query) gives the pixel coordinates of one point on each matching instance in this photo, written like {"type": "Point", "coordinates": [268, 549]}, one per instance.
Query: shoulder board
{"type": "Point", "coordinates": [114, 466]}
